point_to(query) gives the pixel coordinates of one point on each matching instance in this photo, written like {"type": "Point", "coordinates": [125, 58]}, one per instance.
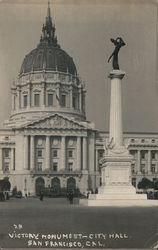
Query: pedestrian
{"type": "Point", "coordinates": [71, 196]}
{"type": "Point", "coordinates": [41, 196]}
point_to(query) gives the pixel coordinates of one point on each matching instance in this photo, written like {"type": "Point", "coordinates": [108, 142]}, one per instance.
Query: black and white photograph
{"type": "Point", "coordinates": [78, 124]}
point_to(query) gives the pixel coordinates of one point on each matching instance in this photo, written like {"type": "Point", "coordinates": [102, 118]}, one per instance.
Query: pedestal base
{"type": "Point", "coordinates": [119, 202]}
{"type": "Point", "coordinates": [116, 189]}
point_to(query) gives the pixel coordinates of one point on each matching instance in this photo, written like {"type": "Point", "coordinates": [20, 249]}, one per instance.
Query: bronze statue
{"type": "Point", "coordinates": [118, 44]}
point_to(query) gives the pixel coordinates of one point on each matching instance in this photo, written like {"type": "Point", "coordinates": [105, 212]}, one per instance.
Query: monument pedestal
{"type": "Point", "coordinates": [116, 188]}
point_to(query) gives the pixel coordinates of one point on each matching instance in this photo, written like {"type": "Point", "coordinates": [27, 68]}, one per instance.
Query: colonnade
{"type": "Point", "coordinates": [81, 153]}
{"type": "Point", "coordinates": [18, 102]}
{"type": "Point", "coordinates": [147, 160]}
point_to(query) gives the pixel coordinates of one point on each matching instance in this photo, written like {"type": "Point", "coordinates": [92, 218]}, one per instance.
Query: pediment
{"type": "Point", "coordinates": [55, 122]}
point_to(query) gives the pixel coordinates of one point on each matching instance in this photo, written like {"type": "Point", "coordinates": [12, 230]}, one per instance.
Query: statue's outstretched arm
{"type": "Point", "coordinates": [110, 57]}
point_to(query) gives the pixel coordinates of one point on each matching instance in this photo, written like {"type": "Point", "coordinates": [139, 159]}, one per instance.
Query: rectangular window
{"type": "Point", "coordinates": [55, 166]}
{"type": "Point", "coordinates": [153, 155]}
{"type": "Point", "coordinates": [70, 153]}
{"type": "Point", "coordinates": [50, 99]}
{"type": "Point", "coordinates": [153, 168]}
{"type": "Point", "coordinates": [70, 167]}
{"type": "Point", "coordinates": [39, 166]}
{"type": "Point", "coordinates": [37, 100]}
{"type": "Point", "coordinates": [133, 168]}
{"type": "Point", "coordinates": [25, 101]}
{"type": "Point", "coordinates": [6, 152]}
{"type": "Point", "coordinates": [143, 155]}
{"type": "Point", "coordinates": [74, 102]}
{"type": "Point", "coordinates": [143, 168]}
{"type": "Point", "coordinates": [6, 167]}
{"type": "Point", "coordinates": [63, 100]}
{"type": "Point", "coordinates": [55, 153]}
{"type": "Point", "coordinates": [39, 153]}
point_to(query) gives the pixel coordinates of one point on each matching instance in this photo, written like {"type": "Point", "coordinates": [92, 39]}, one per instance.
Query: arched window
{"type": "Point", "coordinates": [55, 185]}
{"type": "Point", "coordinates": [71, 184]}
{"type": "Point", "coordinates": [40, 185]}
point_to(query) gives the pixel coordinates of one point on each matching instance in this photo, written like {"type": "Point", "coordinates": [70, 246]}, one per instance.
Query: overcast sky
{"type": "Point", "coordinates": [84, 29]}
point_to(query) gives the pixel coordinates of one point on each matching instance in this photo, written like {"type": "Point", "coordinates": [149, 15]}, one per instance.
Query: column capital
{"type": "Point", "coordinates": [119, 74]}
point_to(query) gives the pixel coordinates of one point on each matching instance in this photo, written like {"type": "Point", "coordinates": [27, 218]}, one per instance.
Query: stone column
{"type": "Point", "coordinates": [19, 97]}
{"type": "Point", "coordinates": [12, 159]}
{"type": "Point", "coordinates": [1, 167]}
{"type": "Point", "coordinates": [25, 152]}
{"type": "Point", "coordinates": [149, 161]}
{"type": "Point", "coordinates": [84, 153]}
{"type": "Point", "coordinates": [29, 96]}
{"type": "Point", "coordinates": [43, 95]}
{"type": "Point", "coordinates": [57, 92]}
{"type": "Point", "coordinates": [80, 98]}
{"type": "Point", "coordinates": [70, 96]}
{"type": "Point", "coordinates": [47, 154]}
{"type": "Point", "coordinates": [32, 153]}
{"type": "Point", "coordinates": [116, 133]}
{"type": "Point", "coordinates": [63, 152]}
{"type": "Point", "coordinates": [96, 160]}
{"type": "Point", "coordinates": [138, 161]}
{"type": "Point", "coordinates": [78, 153]}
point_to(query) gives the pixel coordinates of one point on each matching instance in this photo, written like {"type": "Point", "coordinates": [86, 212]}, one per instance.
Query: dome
{"type": "Point", "coordinates": [48, 57]}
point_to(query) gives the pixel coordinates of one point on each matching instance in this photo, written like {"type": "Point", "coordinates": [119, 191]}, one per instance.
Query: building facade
{"type": "Point", "coordinates": [47, 141]}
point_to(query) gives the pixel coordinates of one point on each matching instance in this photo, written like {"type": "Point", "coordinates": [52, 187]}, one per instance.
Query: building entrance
{"type": "Point", "coordinates": [40, 185]}
{"type": "Point", "coordinates": [55, 186]}
{"type": "Point", "coordinates": [71, 184]}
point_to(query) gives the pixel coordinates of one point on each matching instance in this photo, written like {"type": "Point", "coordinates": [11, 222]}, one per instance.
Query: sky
{"type": "Point", "coordinates": [84, 29]}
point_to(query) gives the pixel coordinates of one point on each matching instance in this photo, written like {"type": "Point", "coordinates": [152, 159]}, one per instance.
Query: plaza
{"type": "Point", "coordinates": [58, 221]}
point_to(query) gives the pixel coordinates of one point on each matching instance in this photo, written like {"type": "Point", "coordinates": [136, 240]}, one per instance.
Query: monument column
{"type": "Point", "coordinates": [116, 134]}
{"type": "Point", "coordinates": [116, 188]}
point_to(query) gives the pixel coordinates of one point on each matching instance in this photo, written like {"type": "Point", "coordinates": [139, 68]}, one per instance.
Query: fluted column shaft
{"type": "Point", "coordinates": [138, 161]}
{"type": "Point", "coordinates": [149, 161]}
{"type": "Point", "coordinates": [43, 95]}
{"type": "Point", "coordinates": [80, 99]}
{"type": "Point", "coordinates": [70, 97]}
{"type": "Point", "coordinates": [47, 155]}
{"type": "Point", "coordinates": [12, 159]}
{"type": "Point", "coordinates": [96, 160]}
{"type": "Point", "coordinates": [78, 153]}
{"type": "Point", "coordinates": [63, 152]}
{"type": "Point", "coordinates": [84, 153]}
{"type": "Point", "coordinates": [32, 153]}
{"type": "Point", "coordinates": [25, 152]}
{"type": "Point", "coordinates": [1, 160]}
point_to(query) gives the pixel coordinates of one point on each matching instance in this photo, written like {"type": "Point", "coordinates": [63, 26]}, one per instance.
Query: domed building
{"type": "Point", "coordinates": [47, 143]}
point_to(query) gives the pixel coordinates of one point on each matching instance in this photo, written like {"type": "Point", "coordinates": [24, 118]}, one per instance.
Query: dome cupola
{"type": "Point", "coordinates": [48, 81]}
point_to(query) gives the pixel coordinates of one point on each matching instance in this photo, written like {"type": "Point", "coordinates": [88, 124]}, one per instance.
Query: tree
{"type": "Point", "coordinates": [145, 184]}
